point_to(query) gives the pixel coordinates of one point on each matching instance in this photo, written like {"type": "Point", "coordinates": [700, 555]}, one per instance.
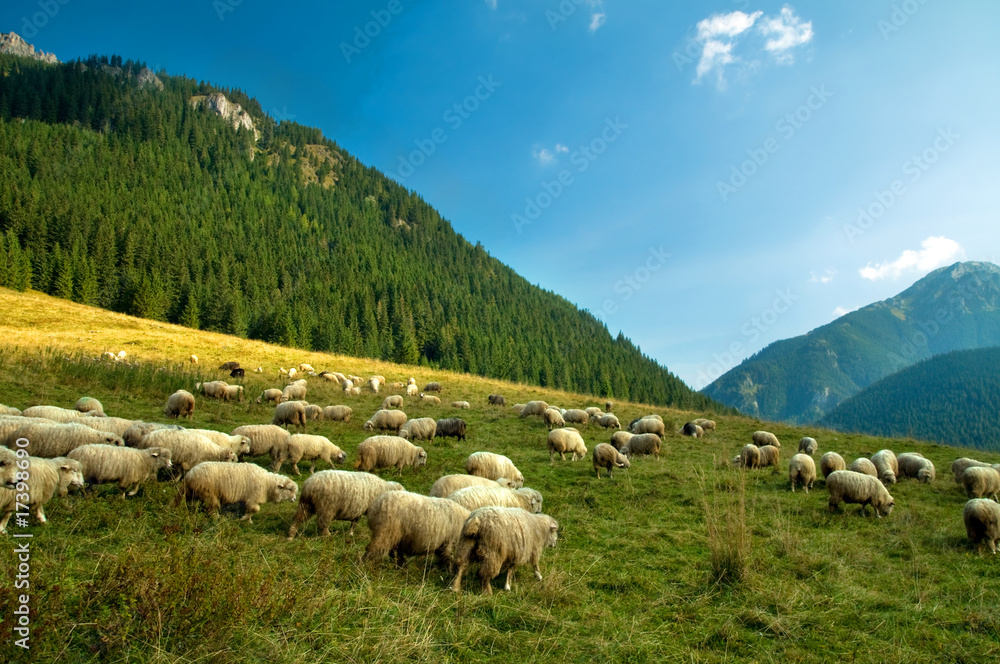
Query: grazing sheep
{"type": "Point", "coordinates": [237, 373]}
{"type": "Point", "coordinates": [10, 410]}
{"type": "Point", "coordinates": [474, 497]}
{"type": "Point", "coordinates": [404, 523]}
{"type": "Point", "coordinates": [649, 424]}
{"type": "Point", "coordinates": [430, 399]}
{"type": "Point", "coordinates": [576, 416]}
{"type": "Point", "coordinates": [642, 443]}
{"type": "Point", "coordinates": [385, 420]}
{"type": "Point", "coordinates": [553, 419]}
{"type": "Point", "coordinates": [293, 392]}
{"type": "Point", "coordinates": [449, 484]}
{"type": "Point", "coordinates": [982, 522]}
{"type": "Point", "coordinates": [533, 408]}
{"type": "Point", "coordinates": [830, 462]}
{"type": "Point", "coordinates": [411, 381]}
{"type": "Point", "coordinates": [388, 451]}
{"type": "Point", "coordinates": [981, 481]}
{"type": "Point", "coordinates": [863, 466]}
{"type": "Point", "coordinates": [801, 469]}
{"type": "Point", "coordinates": [194, 359]}
{"type": "Point", "coordinates": [762, 438]}
{"type": "Point", "coordinates": [233, 393]}
{"type": "Point", "coordinates": [127, 466]}
{"type": "Point", "coordinates": [692, 430]}
{"type": "Point", "coordinates": [313, 412]}
{"type": "Point", "coordinates": [229, 366]}
{"type": "Point", "coordinates": [412, 390]}
{"type": "Point", "coordinates": [46, 477]}
{"type": "Point", "coordinates": [619, 438]}
{"type": "Point", "coordinates": [609, 421]}
{"type": "Point", "coordinates": [493, 466]}
{"type": "Point", "coordinates": [187, 449]}
{"type": "Point", "coordinates": [496, 400]}
{"type": "Point", "coordinates": [452, 427]}
{"type": "Point", "coordinates": [308, 447]}
{"type": "Point", "coordinates": [566, 440]}
{"type": "Point", "coordinates": [887, 466]}
{"type": "Point", "coordinates": [213, 389]}
{"type": "Point", "coordinates": [292, 372]}
{"type": "Point", "coordinates": [850, 487]}
{"type": "Point", "coordinates": [138, 431]}
{"type": "Point", "coordinates": [337, 413]}
{"type": "Point", "coordinates": [52, 439]}
{"type": "Point", "coordinates": [958, 467]}
{"type": "Point", "coordinates": [808, 445]}
{"type": "Point", "coordinates": [461, 404]}
{"type": "Point", "coordinates": [422, 428]}
{"type": "Point", "coordinates": [606, 456]}
{"type": "Point", "coordinates": [179, 404]}
{"type": "Point", "coordinates": [392, 401]}
{"type": "Point", "coordinates": [608, 406]}
{"type": "Point", "coordinates": [338, 495]}
{"type": "Point", "coordinates": [267, 439]}
{"type": "Point", "coordinates": [307, 368]}
{"type": "Point", "coordinates": [290, 413]}
{"type": "Point", "coordinates": [115, 425]}
{"type": "Point", "coordinates": [53, 413]}
{"type": "Point", "coordinates": [915, 465]}
{"type": "Point", "coordinates": [501, 538]}
{"type": "Point", "coordinates": [707, 425]}
{"type": "Point", "coordinates": [770, 456]}
{"type": "Point", "coordinates": [238, 444]}
{"type": "Point", "coordinates": [89, 405]}
{"type": "Point", "coordinates": [750, 456]}
{"type": "Point", "coordinates": [518, 408]}
{"type": "Point", "coordinates": [432, 387]}
{"type": "Point", "coordinates": [374, 385]}
{"type": "Point", "coordinates": [216, 484]}
{"type": "Point", "coordinates": [593, 412]}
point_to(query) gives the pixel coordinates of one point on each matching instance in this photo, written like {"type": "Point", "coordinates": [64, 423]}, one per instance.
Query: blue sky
{"type": "Point", "coordinates": [707, 177]}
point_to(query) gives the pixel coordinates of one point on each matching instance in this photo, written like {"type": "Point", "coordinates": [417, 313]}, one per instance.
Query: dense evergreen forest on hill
{"type": "Point", "coordinates": [952, 398]}
{"type": "Point", "coordinates": [119, 194]}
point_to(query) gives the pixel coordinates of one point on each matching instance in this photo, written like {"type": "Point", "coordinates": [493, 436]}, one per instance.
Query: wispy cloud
{"type": "Point", "coordinates": [561, 148]}
{"type": "Point", "coordinates": [934, 252]}
{"type": "Point", "coordinates": [786, 31]}
{"type": "Point", "coordinates": [840, 311]}
{"type": "Point", "coordinates": [492, 3]}
{"type": "Point", "coordinates": [596, 21]}
{"type": "Point", "coordinates": [824, 278]}
{"type": "Point", "coordinates": [543, 155]}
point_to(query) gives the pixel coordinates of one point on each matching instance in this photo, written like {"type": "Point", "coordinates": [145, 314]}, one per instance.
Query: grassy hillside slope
{"type": "Point", "coordinates": [680, 559]}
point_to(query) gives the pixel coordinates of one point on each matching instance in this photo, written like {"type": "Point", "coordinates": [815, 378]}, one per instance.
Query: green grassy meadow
{"type": "Point", "coordinates": [684, 559]}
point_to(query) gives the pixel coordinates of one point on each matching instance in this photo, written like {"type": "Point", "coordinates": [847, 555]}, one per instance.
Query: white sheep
{"type": "Point", "coordinates": [213, 389]}
{"type": "Point", "coordinates": [45, 478]}
{"type": "Point", "coordinates": [449, 484]}
{"type": "Point", "coordinates": [431, 399]}
{"type": "Point", "coordinates": [238, 444]}
{"type": "Point", "coordinates": [518, 408]}
{"type": "Point", "coordinates": [127, 466]}
{"type": "Point", "coordinates": [307, 368]}
{"type": "Point", "coordinates": [594, 412]}
{"type": "Point", "coordinates": [115, 425]}
{"type": "Point", "coordinates": [8, 469]}
{"type": "Point", "coordinates": [412, 390]}
{"type": "Point", "coordinates": [461, 404]}
{"type": "Point", "coordinates": [89, 405]}
{"type": "Point", "coordinates": [981, 481]}
{"type": "Point", "coordinates": [337, 413]}
{"type": "Point", "coordinates": [553, 419]}
{"type": "Point", "coordinates": [193, 359]}
{"type": "Point", "coordinates": [374, 385]}
{"type": "Point", "coordinates": [180, 404]}
{"type": "Point", "coordinates": [392, 401]}
{"type": "Point", "coordinates": [808, 445]}
{"type": "Point", "coordinates": [770, 456]}
{"type": "Point", "coordinates": [606, 456]}
{"type": "Point", "coordinates": [958, 467]}
{"type": "Point", "coordinates": [10, 410]}
{"type": "Point", "coordinates": [53, 413]}
{"type": "Point", "coordinates": [265, 439]}
{"type": "Point", "coordinates": [692, 430]}
{"type": "Point", "coordinates": [404, 523]}
{"type": "Point", "coordinates": [501, 538]}
{"type": "Point", "coordinates": [762, 438]}
{"type": "Point", "coordinates": [293, 392]}
{"type": "Point", "coordinates": [609, 421]}
{"type": "Point", "coordinates": [649, 424]}
{"type": "Point", "coordinates": [912, 464]}
{"type": "Point", "coordinates": [474, 497]}
{"type": "Point", "coordinates": [982, 522]}
{"type": "Point", "coordinates": [216, 484]}
{"type": "Point", "coordinates": [851, 487]}
{"type": "Point", "coordinates": [421, 428]}
{"type": "Point", "coordinates": [310, 447]}
{"type": "Point", "coordinates": [642, 443]}
{"type": "Point", "coordinates": [750, 456]}
{"type": "Point", "coordinates": [576, 416]}
{"type": "Point", "coordinates": [385, 420]}
{"type": "Point", "coordinates": [493, 466]}
{"type": "Point", "coordinates": [138, 431]}
{"type": "Point", "coordinates": [620, 438]}
{"type": "Point", "coordinates": [887, 466]}
{"type": "Point", "coordinates": [338, 495]}
{"type": "Point", "coordinates": [313, 412]}
{"type": "Point", "coordinates": [802, 470]}
{"type": "Point", "coordinates": [536, 407]}
{"type": "Point", "coordinates": [705, 424]}
{"type": "Point", "coordinates": [187, 449]}
{"type": "Point", "coordinates": [51, 439]}
{"type": "Point", "coordinates": [290, 413]}
{"type": "Point", "coordinates": [388, 451]}
{"type": "Point", "coordinates": [565, 440]}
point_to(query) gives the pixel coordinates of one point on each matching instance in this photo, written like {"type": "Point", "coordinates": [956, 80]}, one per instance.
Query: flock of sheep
{"type": "Point", "coordinates": [866, 481]}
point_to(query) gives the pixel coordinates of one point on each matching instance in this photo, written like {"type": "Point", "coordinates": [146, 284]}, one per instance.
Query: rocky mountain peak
{"type": "Point", "coordinates": [12, 43]}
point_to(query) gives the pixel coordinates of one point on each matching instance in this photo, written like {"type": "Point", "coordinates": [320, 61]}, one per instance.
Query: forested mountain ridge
{"type": "Point", "coordinates": [952, 399]}
{"type": "Point", "coordinates": [127, 196]}
{"type": "Point", "coordinates": [799, 380]}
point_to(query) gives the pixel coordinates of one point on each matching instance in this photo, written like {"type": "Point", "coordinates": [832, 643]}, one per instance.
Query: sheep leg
{"type": "Point", "coordinates": [40, 513]}
{"type": "Point", "coordinates": [551, 456]}
{"type": "Point", "coordinates": [538, 571]}
{"type": "Point", "coordinates": [598, 471]}
{"type": "Point", "coordinates": [135, 490]}
{"type": "Point", "coordinates": [456, 585]}
{"type": "Point", "coordinates": [323, 523]}
{"type": "Point", "coordinates": [4, 520]}
{"type": "Point", "coordinates": [251, 510]}
{"type": "Point", "coordinates": [510, 574]}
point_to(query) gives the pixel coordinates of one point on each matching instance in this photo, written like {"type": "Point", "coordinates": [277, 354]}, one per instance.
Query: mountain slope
{"type": "Point", "coordinates": [952, 398]}
{"type": "Point", "coordinates": [801, 379]}
{"type": "Point", "coordinates": [157, 196]}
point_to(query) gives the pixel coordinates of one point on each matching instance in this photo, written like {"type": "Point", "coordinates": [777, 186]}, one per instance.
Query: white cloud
{"type": "Point", "coordinates": [825, 278]}
{"type": "Point", "coordinates": [492, 3]}
{"type": "Point", "coordinates": [786, 32]}
{"type": "Point", "coordinates": [728, 25]}
{"type": "Point", "coordinates": [840, 311]}
{"type": "Point", "coordinates": [934, 252]}
{"type": "Point", "coordinates": [543, 155]}
{"type": "Point", "coordinates": [596, 21]}
{"type": "Point", "coordinates": [561, 148]}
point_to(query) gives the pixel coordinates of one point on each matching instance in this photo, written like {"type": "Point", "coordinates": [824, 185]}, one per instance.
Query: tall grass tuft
{"type": "Point", "coordinates": [729, 537]}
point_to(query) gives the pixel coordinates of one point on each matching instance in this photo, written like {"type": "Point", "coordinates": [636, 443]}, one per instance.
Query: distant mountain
{"type": "Point", "coordinates": [173, 199]}
{"type": "Point", "coordinates": [952, 399]}
{"type": "Point", "coordinates": [801, 379]}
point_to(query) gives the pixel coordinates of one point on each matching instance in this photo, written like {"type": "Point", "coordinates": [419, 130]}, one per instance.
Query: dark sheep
{"type": "Point", "coordinates": [433, 387]}
{"type": "Point", "coordinates": [229, 366]}
{"type": "Point", "coordinates": [236, 373]}
{"type": "Point", "coordinates": [452, 426]}
{"type": "Point", "coordinates": [497, 400]}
